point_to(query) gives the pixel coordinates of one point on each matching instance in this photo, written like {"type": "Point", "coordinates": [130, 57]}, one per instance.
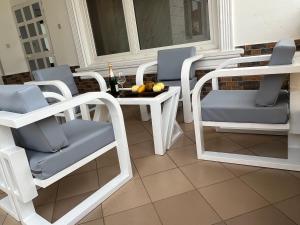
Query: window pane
{"type": "Point", "coordinates": [31, 29]}
{"type": "Point", "coordinates": [41, 27]}
{"type": "Point", "coordinates": [19, 16]}
{"type": "Point", "coordinates": [171, 22]}
{"type": "Point", "coordinates": [27, 13]}
{"type": "Point", "coordinates": [45, 44]}
{"type": "Point", "coordinates": [108, 25]}
{"type": "Point", "coordinates": [27, 48]}
{"type": "Point", "coordinates": [36, 10]}
{"type": "Point", "coordinates": [36, 46]}
{"type": "Point", "coordinates": [32, 65]}
{"type": "Point", "coordinates": [23, 32]}
{"type": "Point", "coordinates": [41, 63]}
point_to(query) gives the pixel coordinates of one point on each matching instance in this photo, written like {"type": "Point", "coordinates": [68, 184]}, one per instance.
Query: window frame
{"type": "Point", "coordinates": [87, 54]}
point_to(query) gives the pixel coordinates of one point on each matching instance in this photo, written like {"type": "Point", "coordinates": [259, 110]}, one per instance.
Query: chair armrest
{"type": "Point", "coordinates": [61, 86]}
{"type": "Point", "coordinates": [96, 76]}
{"type": "Point", "coordinates": [141, 71]}
{"type": "Point", "coordinates": [185, 71]}
{"type": "Point", "coordinates": [15, 120]}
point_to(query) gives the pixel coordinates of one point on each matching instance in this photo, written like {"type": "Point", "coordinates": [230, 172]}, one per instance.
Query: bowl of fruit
{"type": "Point", "coordinates": [149, 89]}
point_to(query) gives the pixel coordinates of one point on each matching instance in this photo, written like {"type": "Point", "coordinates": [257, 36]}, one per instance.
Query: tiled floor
{"type": "Point", "coordinates": [178, 189]}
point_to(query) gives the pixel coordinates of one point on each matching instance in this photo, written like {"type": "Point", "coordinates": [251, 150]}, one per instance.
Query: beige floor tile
{"type": "Point", "coordinates": [86, 168]}
{"type": "Point", "coordinates": [2, 218]}
{"type": "Point", "coordinates": [144, 215]}
{"type": "Point", "coordinates": [221, 144]}
{"type": "Point", "coordinates": [294, 173]}
{"type": "Point", "coordinates": [265, 216]}
{"type": "Point", "coordinates": [206, 173]}
{"type": "Point", "coordinates": [275, 149]}
{"type": "Point", "coordinates": [187, 126]}
{"type": "Point", "coordinates": [191, 135]}
{"type": "Point", "coordinates": [244, 152]}
{"type": "Point", "coordinates": [94, 222]}
{"type": "Point", "coordinates": [291, 208]}
{"type": "Point", "coordinates": [184, 156]}
{"type": "Point", "coordinates": [221, 223]}
{"type": "Point", "coordinates": [153, 164]}
{"type": "Point", "coordinates": [10, 221]}
{"type": "Point", "coordinates": [106, 174]}
{"type": "Point", "coordinates": [46, 195]}
{"type": "Point", "coordinates": [148, 126]}
{"type": "Point", "coordinates": [94, 215]}
{"type": "Point", "coordinates": [274, 185]}
{"type": "Point", "coordinates": [131, 195]}
{"type": "Point", "coordinates": [189, 209]}
{"type": "Point", "coordinates": [211, 133]}
{"type": "Point", "coordinates": [139, 137]}
{"type": "Point", "coordinates": [239, 170]}
{"type": "Point", "coordinates": [182, 141]}
{"type": "Point", "coordinates": [79, 184]}
{"type": "Point", "coordinates": [141, 150]}
{"type": "Point", "coordinates": [249, 140]}
{"type": "Point", "coordinates": [134, 127]}
{"type": "Point", "coordinates": [63, 206]}
{"type": "Point", "coordinates": [110, 158]}
{"type": "Point", "coordinates": [232, 198]}
{"type": "Point", "coordinates": [166, 184]}
{"type": "Point", "coordinates": [46, 211]}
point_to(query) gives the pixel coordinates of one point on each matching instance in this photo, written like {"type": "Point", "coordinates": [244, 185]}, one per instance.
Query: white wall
{"type": "Point", "coordinates": [11, 53]}
{"type": "Point", "coordinates": [262, 21]}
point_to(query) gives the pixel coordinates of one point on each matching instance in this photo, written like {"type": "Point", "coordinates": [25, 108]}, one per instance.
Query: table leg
{"type": "Point", "coordinates": [157, 127]}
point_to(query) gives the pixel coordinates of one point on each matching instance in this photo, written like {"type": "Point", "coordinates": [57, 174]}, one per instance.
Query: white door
{"type": "Point", "coordinates": [34, 34]}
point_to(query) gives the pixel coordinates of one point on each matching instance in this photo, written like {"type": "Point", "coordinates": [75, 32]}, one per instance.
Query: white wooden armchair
{"type": "Point", "coordinates": [250, 110]}
{"type": "Point", "coordinates": [175, 68]}
{"type": "Point", "coordinates": [30, 158]}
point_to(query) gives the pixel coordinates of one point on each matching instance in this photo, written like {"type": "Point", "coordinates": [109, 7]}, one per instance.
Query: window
{"type": "Point", "coordinates": [171, 22]}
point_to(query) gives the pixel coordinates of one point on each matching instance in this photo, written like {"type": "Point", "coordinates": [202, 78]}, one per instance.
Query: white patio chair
{"type": "Point", "coordinates": [175, 68]}
{"type": "Point", "coordinates": [60, 80]}
{"type": "Point", "coordinates": [36, 151]}
{"type": "Point", "coordinates": [266, 109]}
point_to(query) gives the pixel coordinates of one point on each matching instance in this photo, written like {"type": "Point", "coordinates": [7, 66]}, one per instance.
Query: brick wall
{"type": "Point", "coordinates": [230, 83]}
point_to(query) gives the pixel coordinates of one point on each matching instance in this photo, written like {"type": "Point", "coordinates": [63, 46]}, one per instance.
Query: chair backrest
{"type": "Point", "coordinates": [43, 136]}
{"type": "Point", "coordinates": [170, 63]}
{"type": "Point", "coordinates": [270, 85]}
{"type": "Point", "coordinates": [62, 73]}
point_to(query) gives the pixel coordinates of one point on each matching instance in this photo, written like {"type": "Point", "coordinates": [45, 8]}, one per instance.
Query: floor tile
{"type": "Point", "coordinates": [232, 198]}
{"type": "Point", "coordinates": [239, 170]}
{"type": "Point", "coordinates": [291, 208]}
{"type": "Point", "coordinates": [131, 195]}
{"type": "Point", "coordinates": [275, 149]}
{"type": "Point", "coordinates": [166, 184]}
{"type": "Point", "coordinates": [94, 215]}
{"type": "Point", "coordinates": [144, 215]}
{"type": "Point", "coordinates": [191, 135]}
{"type": "Point", "coordinates": [274, 185]}
{"type": "Point", "coordinates": [79, 184]}
{"type": "Point", "coordinates": [153, 164]}
{"type": "Point", "coordinates": [46, 195]}
{"type": "Point", "coordinates": [106, 174]}
{"type": "Point", "coordinates": [46, 211]}
{"type": "Point", "coordinates": [206, 173]}
{"type": "Point", "coordinates": [264, 216]}
{"type": "Point", "coordinates": [110, 158]}
{"type": "Point", "coordinates": [249, 140]}
{"type": "Point", "coordinates": [187, 126]}
{"type": "Point", "coordinates": [221, 144]}
{"type": "Point", "coordinates": [141, 150]}
{"type": "Point", "coordinates": [294, 173]}
{"type": "Point", "coordinates": [134, 127]}
{"type": "Point", "coordinates": [10, 221]}
{"type": "Point", "coordinates": [182, 141]}
{"type": "Point", "coordinates": [94, 222]}
{"type": "Point", "coordinates": [63, 206]}
{"type": "Point", "coordinates": [189, 209]}
{"type": "Point", "coordinates": [184, 156]}
{"type": "Point", "coordinates": [86, 168]}
{"type": "Point", "coordinates": [139, 137]}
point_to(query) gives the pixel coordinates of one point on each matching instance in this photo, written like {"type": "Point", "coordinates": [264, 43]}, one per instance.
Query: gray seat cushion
{"type": "Point", "coordinates": [170, 63]}
{"type": "Point", "coordinates": [85, 138]}
{"type": "Point", "coordinates": [45, 135]}
{"type": "Point", "coordinates": [173, 83]}
{"type": "Point", "coordinates": [270, 85]}
{"type": "Point", "coordinates": [62, 73]}
{"type": "Point", "coordinates": [239, 106]}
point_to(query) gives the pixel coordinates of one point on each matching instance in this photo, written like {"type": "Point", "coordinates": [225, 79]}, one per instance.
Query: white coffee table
{"type": "Point", "coordinates": [163, 110]}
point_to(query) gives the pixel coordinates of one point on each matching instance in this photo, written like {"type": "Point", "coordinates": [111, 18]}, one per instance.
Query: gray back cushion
{"type": "Point", "coordinates": [62, 73]}
{"type": "Point", "coordinates": [45, 135]}
{"type": "Point", "coordinates": [270, 85]}
{"type": "Point", "coordinates": [170, 63]}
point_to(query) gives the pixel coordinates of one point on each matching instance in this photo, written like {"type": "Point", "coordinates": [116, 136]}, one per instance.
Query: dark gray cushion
{"type": "Point", "coordinates": [62, 73]}
{"type": "Point", "coordinates": [45, 135]}
{"type": "Point", "coordinates": [270, 85]}
{"type": "Point", "coordinates": [239, 106]}
{"type": "Point", "coordinates": [170, 63]}
{"type": "Point", "coordinates": [85, 138]}
{"type": "Point", "coordinates": [173, 83]}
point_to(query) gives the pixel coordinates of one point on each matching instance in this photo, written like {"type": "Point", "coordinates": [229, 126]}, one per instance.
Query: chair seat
{"type": "Point", "coordinates": [177, 83]}
{"type": "Point", "coordinates": [239, 106]}
{"type": "Point", "coordinates": [85, 138]}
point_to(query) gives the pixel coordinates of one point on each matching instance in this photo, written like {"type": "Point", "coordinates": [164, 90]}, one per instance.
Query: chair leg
{"type": "Point", "coordinates": [144, 113]}
{"type": "Point", "coordinates": [187, 106]}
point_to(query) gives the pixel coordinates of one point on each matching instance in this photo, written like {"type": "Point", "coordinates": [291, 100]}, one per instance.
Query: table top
{"type": "Point", "coordinates": [145, 100]}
